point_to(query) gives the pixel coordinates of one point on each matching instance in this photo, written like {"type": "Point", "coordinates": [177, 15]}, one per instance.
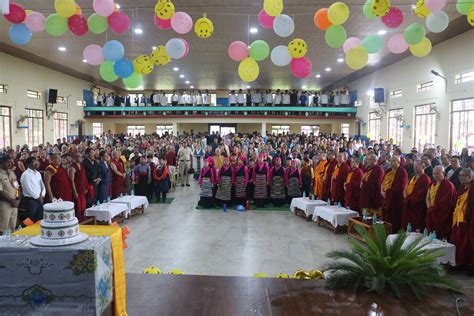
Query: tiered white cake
{"type": "Point", "coordinates": [60, 226]}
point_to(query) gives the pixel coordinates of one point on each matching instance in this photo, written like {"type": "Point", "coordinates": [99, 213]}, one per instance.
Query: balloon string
{"type": "Point", "coordinates": [248, 30]}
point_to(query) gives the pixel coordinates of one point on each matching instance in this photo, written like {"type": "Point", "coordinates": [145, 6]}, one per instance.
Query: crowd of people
{"type": "Point", "coordinates": [432, 189]}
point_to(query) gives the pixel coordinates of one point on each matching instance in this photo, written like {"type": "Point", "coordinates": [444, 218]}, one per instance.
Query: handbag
{"type": "Point", "coordinates": [191, 170]}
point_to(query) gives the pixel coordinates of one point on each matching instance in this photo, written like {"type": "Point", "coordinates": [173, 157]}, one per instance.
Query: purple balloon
{"type": "Point", "coordinates": [93, 54]}
{"type": "Point", "coordinates": [435, 5]}
{"type": "Point", "coordinates": [350, 43]}
{"type": "Point", "coordinates": [394, 18]}
{"type": "Point", "coordinates": [35, 21]}
{"type": "Point", "coordinates": [181, 22]}
{"type": "Point", "coordinates": [397, 44]}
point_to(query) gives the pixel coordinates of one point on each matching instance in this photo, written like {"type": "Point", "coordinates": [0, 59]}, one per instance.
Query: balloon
{"type": "Point", "coordinates": [248, 69]}
{"type": "Point", "coordinates": [93, 54]}
{"type": "Point", "coordinates": [35, 21]}
{"type": "Point", "coordinates": [437, 21]}
{"type": "Point", "coordinates": [65, 8]}
{"type": "Point", "coordinates": [259, 50]}
{"type": "Point", "coordinates": [19, 34]}
{"type": "Point", "coordinates": [283, 25]}
{"type": "Point", "coordinates": [78, 10]}
{"type": "Point", "coordinates": [470, 16]}
{"type": "Point", "coordinates": [78, 25]}
{"type": "Point", "coordinates": [186, 44]}
{"type": "Point", "coordinates": [335, 36]}
{"type": "Point", "coordinates": [357, 57]}
{"type": "Point", "coordinates": [396, 43]}
{"type": "Point", "coordinates": [394, 18]}
{"type": "Point", "coordinates": [351, 42]}
{"type": "Point", "coordinates": [143, 65]}
{"type": "Point", "coordinates": [421, 49]}
{"type": "Point", "coordinates": [338, 13]}
{"type": "Point", "coordinates": [103, 7]}
{"type": "Point", "coordinates": [123, 68]}
{"type": "Point", "coordinates": [301, 67]}
{"type": "Point", "coordinates": [421, 10]}
{"type": "Point", "coordinates": [414, 33]}
{"type": "Point", "coordinates": [106, 71]}
{"type": "Point", "coordinates": [27, 12]}
{"type": "Point", "coordinates": [372, 43]}
{"type": "Point", "coordinates": [113, 50]}
{"type": "Point", "coordinates": [435, 5]}
{"type": "Point", "coordinates": [273, 7]}
{"type": "Point", "coordinates": [162, 24]}
{"type": "Point", "coordinates": [204, 28]}
{"type": "Point", "coordinates": [16, 15]}
{"type": "Point", "coordinates": [164, 9]}
{"type": "Point", "coordinates": [176, 48]}
{"type": "Point", "coordinates": [367, 9]}
{"type": "Point", "coordinates": [97, 24]}
{"type": "Point", "coordinates": [297, 48]}
{"type": "Point", "coordinates": [265, 20]}
{"type": "Point", "coordinates": [280, 56]}
{"type": "Point", "coordinates": [380, 7]}
{"type": "Point", "coordinates": [463, 6]}
{"type": "Point", "coordinates": [119, 22]}
{"type": "Point", "coordinates": [321, 19]}
{"type": "Point", "coordinates": [238, 51]}
{"type": "Point", "coordinates": [55, 25]}
{"type": "Point", "coordinates": [181, 23]}
{"type": "Point", "coordinates": [159, 56]}
{"type": "Point", "coordinates": [133, 81]}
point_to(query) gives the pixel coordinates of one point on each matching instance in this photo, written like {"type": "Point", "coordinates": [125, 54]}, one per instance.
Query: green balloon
{"type": "Point", "coordinates": [55, 25]}
{"type": "Point", "coordinates": [97, 24]}
{"type": "Point", "coordinates": [259, 50]}
{"type": "Point", "coordinates": [414, 33]}
{"type": "Point", "coordinates": [134, 81]}
{"type": "Point", "coordinates": [463, 6]}
{"type": "Point", "coordinates": [335, 36]}
{"type": "Point", "coordinates": [107, 71]}
{"type": "Point", "coordinates": [368, 11]}
{"type": "Point", "coordinates": [373, 43]}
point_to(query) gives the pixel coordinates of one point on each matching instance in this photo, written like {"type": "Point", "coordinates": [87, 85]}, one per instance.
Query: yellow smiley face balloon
{"type": "Point", "coordinates": [273, 7]}
{"type": "Point", "coordinates": [297, 48]}
{"type": "Point", "coordinates": [248, 69]}
{"type": "Point", "coordinates": [421, 10]}
{"type": "Point", "coordinates": [143, 65]}
{"type": "Point", "coordinates": [204, 28]}
{"type": "Point", "coordinates": [380, 7]}
{"type": "Point", "coordinates": [470, 16]}
{"type": "Point", "coordinates": [164, 9]}
{"type": "Point", "coordinates": [159, 56]}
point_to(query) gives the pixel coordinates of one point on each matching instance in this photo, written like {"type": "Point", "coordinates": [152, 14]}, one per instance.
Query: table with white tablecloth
{"type": "Point", "coordinates": [306, 205]}
{"type": "Point", "coordinates": [335, 215]}
{"type": "Point", "coordinates": [132, 202]}
{"type": "Point", "coordinates": [449, 250]}
{"type": "Point", "coordinates": [105, 212]}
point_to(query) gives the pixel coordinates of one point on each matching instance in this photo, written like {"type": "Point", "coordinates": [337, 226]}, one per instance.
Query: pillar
{"type": "Point", "coordinates": [264, 129]}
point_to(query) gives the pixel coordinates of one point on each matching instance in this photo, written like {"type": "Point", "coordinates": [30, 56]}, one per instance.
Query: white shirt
{"type": "Point", "coordinates": [269, 98]}
{"type": "Point", "coordinates": [324, 99]}
{"type": "Point", "coordinates": [257, 98]}
{"type": "Point", "coordinates": [241, 98]}
{"type": "Point", "coordinates": [344, 99]}
{"type": "Point", "coordinates": [164, 100]}
{"type": "Point", "coordinates": [337, 100]}
{"type": "Point", "coordinates": [32, 184]}
{"type": "Point", "coordinates": [206, 99]}
{"type": "Point", "coordinates": [156, 98]}
{"type": "Point", "coordinates": [110, 101]}
{"type": "Point", "coordinates": [199, 99]}
{"type": "Point", "coordinates": [174, 98]}
{"type": "Point", "coordinates": [277, 99]}
{"type": "Point", "coordinates": [232, 99]}
{"type": "Point", "coordinates": [192, 99]}
{"type": "Point", "coordinates": [183, 99]}
{"type": "Point", "coordinates": [286, 99]}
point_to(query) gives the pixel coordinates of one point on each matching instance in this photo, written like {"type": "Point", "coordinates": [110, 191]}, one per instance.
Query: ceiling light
{"type": "Point", "coordinates": [187, 81]}
{"type": "Point", "coordinates": [175, 69]}
{"type": "Point", "coordinates": [181, 76]}
{"type": "Point", "coordinates": [370, 93]}
{"type": "Point", "coordinates": [154, 47]}
{"type": "Point", "coordinates": [192, 87]}
{"type": "Point", "coordinates": [382, 32]}
{"type": "Point", "coordinates": [84, 61]}
{"type": "Point", "coordinates": [253, 30]}
{"type": "Point", "coordinates": [303, 87]}
{"type": "Point", "coordinates": [328, 69]}
{"type": "Point", "coordinates": [340, 60]}
{"type": "Point", "coordinates": [248, 87]}
{"type": "Point", "coordinates": [62, 48]}
{"type": "Point", "coordinates": [138, 31]}
{"type": "Point", "coordinates": [318, 76]}
{"type": "Point", "coordinates": [413, 7]}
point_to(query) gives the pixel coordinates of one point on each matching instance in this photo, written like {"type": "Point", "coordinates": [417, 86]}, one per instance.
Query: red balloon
{"type": "Point", "coordinates": [78, 25]}
{"type": "Point", "coordinates": [394, 18]}
{"type": "Point", "coordinates": [17, 14]}
{"type": "Point", "coordinates": [162, 24]}
{"type": "Point", "coordinates": [119, 22]}
{"type": "Point", "coordinates": [301, 67]}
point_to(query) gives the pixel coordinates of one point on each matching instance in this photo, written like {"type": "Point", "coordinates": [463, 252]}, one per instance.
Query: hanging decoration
{"type": "Point", "coordinates": [380, 7]}
{"type": "Point", "coordinates": [204, 28]}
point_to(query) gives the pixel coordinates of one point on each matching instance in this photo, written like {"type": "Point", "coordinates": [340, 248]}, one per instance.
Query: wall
{"type": "Point", "coordinates": [451, 57]}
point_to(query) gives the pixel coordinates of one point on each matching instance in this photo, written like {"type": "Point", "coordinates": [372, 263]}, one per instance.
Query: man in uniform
{"type": "Point", "coordinates": [8, 195]}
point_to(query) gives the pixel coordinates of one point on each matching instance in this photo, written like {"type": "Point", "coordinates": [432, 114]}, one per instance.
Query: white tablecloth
{"type": "Point", "coordinates": [336, 215]}
{"type": "Point", "coordinates": [448, 249]}
{"type": "Point", "coordinates": [132, 202]}
{"type": "Point", "coordinates": [106, 211]}
{"type": "Point", "coordinates": [306, 205]}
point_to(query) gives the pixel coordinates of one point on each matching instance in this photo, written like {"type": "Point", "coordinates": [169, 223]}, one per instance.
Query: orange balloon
{"type": "Point", "coordinates": [78, 10]}
{"type": "Point", "coordinates": [321, 19]}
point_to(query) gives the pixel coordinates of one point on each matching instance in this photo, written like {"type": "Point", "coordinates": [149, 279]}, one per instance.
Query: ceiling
{"type": "Point", "coordinates": [208, 66]}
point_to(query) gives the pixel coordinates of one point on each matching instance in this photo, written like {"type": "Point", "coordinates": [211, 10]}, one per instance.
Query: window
{"type": "Point", "coordinates": [374, 125]}
{"type": "Point", "coordinates": [60, 125]}
{"type": "Point", "coordinates": [34, 132]}
{"type": "Point", "coordinates": [97, 129]}
{"type": "Point", "coordinates": [425, 86]}
{"type": "Point", "coordinates": [60, 99]}
{"type": "Point", "coordinates": [462, 124]}
{"type": "Point", "coordinates": [395, 121]}
{"type": "Point", "coordinates": [33, 94]}
{"type": "Point", "coordinates": [464, 77]}
{"type": "Point", "coordinates": [5, 127]}
{"type": "Point", "coordinates": [345, 129]}
{"type": "Point", "coordinates": [425, 125]}
{"type": "Point", "coordinates": [81, 103]}
{"type": "Point", "coordinates": [163, 129]}
{"type": "Point", "coordinates": [280, 129]}
{"type": "Point", "coordinates": [3, 88]}
{"type": "Point", "coordinates": [308, 129]}
{"type": "Point", "coordinates": [136, 130]}
{"type": "Point", "coordinates": [395, 94]}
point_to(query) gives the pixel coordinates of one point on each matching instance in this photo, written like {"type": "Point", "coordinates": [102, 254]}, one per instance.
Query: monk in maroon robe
{"type": "Point", "coordinates": [338, 179]}
{"type": "Point", "coordinates": [441, 200]}
{"type": "Point", "coordinates": [77, 175]}
{"type": "Point", "coordinates": [352, 186]}
{"type": "Point", "coordinates": [370, 197]}
{"type": "Point", "coordinates": [118, 175]}
{"type": "Point", "coordinates": [56, 181]}
{"type": "Point", "coordinates": [331, 165]}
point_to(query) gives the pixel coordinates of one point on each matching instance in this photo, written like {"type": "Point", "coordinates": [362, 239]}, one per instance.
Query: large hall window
{"type": "Point", "coordinates": [308, 129]}
{"type": "Point", "coordinates": [395, 132]}
{"type": "Point", "coordinates": [136, 130]}
{"type": "Point", "coordinates": [163, 129]}
{"type": "Point", "coordinates": [3, 88]}
{"type": "Point", "coordinates": [374, 125]}
{"type": "Point", "coordinates": [5, 127]}
{"type": "Point", "coordinates": [425, 125]}
{"type": "Point", "coordinates": [97, 129]}
{"type": "Point", "coordinates": [280, 129]}
{"type": "Point", "coordinates": [34, 132]}
{"type": "Point", "coordinates": [345, 129]}
{"type": "Point", "coordinates": [464, 77]}
{"type": "Point", "coordinates": [462, 124]}
{"type": "Point", "coordinates": [60, 125]}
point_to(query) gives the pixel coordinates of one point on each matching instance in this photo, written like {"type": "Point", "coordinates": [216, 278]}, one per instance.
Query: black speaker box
{"type": "Point", "coordinates": [52, 96]}
{"type": "Point", "coordinates": [379, 95]}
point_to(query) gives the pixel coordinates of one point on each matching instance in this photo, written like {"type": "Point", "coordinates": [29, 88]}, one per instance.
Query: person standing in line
{"type": "Point", "coordinates": [337, 99]}
{"type": "Point", "coordinates": [206, 98]}
{"type": "Point", "coordinates": [324, 99]}
{"type": "Point", "coordinates": [286, 98]}
{"type": "Point", "coordinates": [224, 184]}
{"type": "Point", "coordinates": [174, 99]}
{"type": "Point", "coordinates": [104, 174]}
{"type": "Point", "coordinates": [257, 98]}
{"type": "Point", "coordinates": [249, 98]}
{"type": "Point", "coordinates": [207, 180]}
{"type": "Point", "coordinates": [56, 181]}
{"type": "Point", "coordinates": [162, 180]}
{"type": "Point", "coordinates": [269, 98]}
{"type": "Point", "coordinates": [185, 156]}
{"type": "Point", "coordinates": [34, 191]}
{"type": "Point", "coordinates": [163, 99]}
{"type": "Point", "coordinates": [345, 99]}
{"type": "Point", "coordinates": [241, 98]}
{"type": "Point", "coordinates": [118, 175]}
{"type": "Point", "coordinates": [8, 196]}
{"type": "Point", "coordinates": [77, 175]}
{"type": "Point", "coordinates": [232, 98]}
{"type": "Point", "coordinates": [92, 173]}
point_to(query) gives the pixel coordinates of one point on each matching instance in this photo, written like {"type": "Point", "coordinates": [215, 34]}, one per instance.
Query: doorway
{"type": "Point", "coordinates": [222, 129]}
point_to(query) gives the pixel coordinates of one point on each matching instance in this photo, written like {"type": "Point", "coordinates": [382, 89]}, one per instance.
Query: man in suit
{"type": "Point", "coordinates": [104, 174]}
{"type": "Point", "coordinates": [91, 167]}
{"type": "Point", "coordinates": [452, 172]}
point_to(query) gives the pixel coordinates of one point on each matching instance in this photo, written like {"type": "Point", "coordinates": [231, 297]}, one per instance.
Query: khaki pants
{"type": "Point", "coordinates": [8, 217]}
{"type": "Point", "coordinates": [183, 172]}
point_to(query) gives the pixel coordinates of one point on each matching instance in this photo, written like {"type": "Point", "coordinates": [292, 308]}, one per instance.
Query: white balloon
{"type": "Point", "coordinates": [283, 25]}
{"type": "Point", "coordinates": [437, 21]}
{"type": "Point", "coordinates": [280, 56]}
{"type": "Point", "coordinates": [176, 48]}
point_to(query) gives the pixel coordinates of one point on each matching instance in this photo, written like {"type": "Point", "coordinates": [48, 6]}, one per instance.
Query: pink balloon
{"type": "Point", "coordinates": [181, 23]}
{"type": "Point", "coordinates": [17, 13]}
{"type": "Point", "coordinates": [35, 22]}
{"type": "Point", "coordinates": [78, 25]}
{"type": "Point", "coordinates": [119, 22]}
{"type": "Point", "coordinates": [397, 44]}
{"type": "Point", "coordinates": [103, 7]}
{"type": "Point", "coordinates": [394, 18]}
{"type": "Point", "coordinates": [265, 20]}
{"type": "Point", "coordinates": [301, 67]}
{"type": "Point", "coordinates": [238, 51]}
{"type": "Point", "coordinates": [350, 43]}
{"type": "Point", "coordinates": [186, 44]}
{"type": "Point", "coordinates": [93, 54]}
{"type": "Point", "coordinates": [435, 5]}
{"type": "Point", "coordinates": [162, 24]}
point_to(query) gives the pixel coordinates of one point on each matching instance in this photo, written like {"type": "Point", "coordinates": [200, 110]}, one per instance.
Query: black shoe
{"type": "Point", "coordinates": [188, 185]}
{"type": "Point", "coordinates": [182, 185]}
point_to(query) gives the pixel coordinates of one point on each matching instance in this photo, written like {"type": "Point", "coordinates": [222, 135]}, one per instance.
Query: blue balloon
{"type": "Point", "coordinates": [20, 34]}
{"type": "Point", "coordinates": [123, 68]}
{"type": "Point", "coordinates": [113, 50]}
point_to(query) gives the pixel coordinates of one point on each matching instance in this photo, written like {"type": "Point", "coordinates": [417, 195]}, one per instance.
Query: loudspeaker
{"type": "Point", "coordinates": [379, 95]}
{"type": "Point", "coordinates": [52, 96]}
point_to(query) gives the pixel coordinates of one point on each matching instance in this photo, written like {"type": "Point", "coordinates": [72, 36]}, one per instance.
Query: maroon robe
{"type": "Point", "coordinates": [326, 194]}
{"type": "Point", "coordinates": [414, 205]}
{"type": "Point", "coordinates": [60, 183]}
{"type": "Point", "coordinates": [352, 194]}
{"type": "Point", "coordinates": [370, 196]}
{"type": "Point", "coordinates": [80, 181]}
{"type": "Point", "coordinates": [440, 215]}
{"type": "Point", "coordinates": [393, 202]}
{"type": "Point", "coordinates": [337, 183]}
{"type": "Point", "coordinates": [118, 183]}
